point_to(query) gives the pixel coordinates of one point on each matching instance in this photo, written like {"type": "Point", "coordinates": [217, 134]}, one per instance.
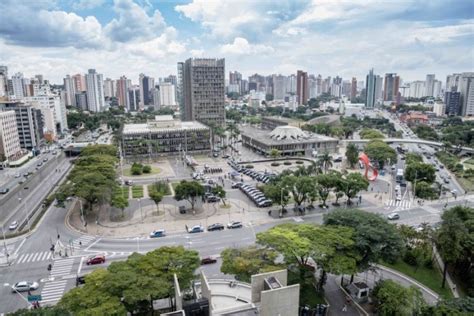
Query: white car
{"type": "Point", "coordinates": [24, 286]}
{"type": "Point", "coordinates": [13, 225]}
{"type": "Point", "coordinates": [17, 175]}
{"type": "Point", "coordinates": [393, 216]}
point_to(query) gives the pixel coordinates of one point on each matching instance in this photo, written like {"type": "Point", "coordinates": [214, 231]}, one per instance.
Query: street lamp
{"type": "Point", "coordinates": [13, 288]}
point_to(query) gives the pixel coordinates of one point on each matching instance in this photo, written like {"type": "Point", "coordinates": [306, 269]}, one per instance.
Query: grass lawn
{"type": "Point", "coordinates": [470, 161]}
{"type": "Point", "coordinates": [122, 191]}
{"type": "Point", "coordinates": [128, 173]}
{"type": "Point", "coordinates": [466, 183]}
{"type": "Point", "coordinates": [163, 187]}
{"type": "Point", "coordinates": [431, 278]}
{"type": "Point", "coordinates": [137, 191]}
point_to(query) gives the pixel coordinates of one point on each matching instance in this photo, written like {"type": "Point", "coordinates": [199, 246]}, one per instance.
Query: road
{"type": "Point", "coordinates": [32, 255]}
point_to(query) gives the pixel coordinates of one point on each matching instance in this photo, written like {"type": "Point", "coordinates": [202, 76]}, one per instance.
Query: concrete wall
{"type": "Point", "coordinates": [206, 290]}
{"type": "Point", "coordinates": [280, 302]}
{"type": "Point", "coordinates": [178, 296]}
{"type": "Point", "coordinates": [258, 282]}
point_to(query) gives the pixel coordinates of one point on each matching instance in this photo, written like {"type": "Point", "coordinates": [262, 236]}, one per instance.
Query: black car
{"type": "Point", "coordinates": [216, 226]}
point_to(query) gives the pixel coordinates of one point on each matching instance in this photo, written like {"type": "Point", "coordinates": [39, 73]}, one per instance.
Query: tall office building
{"type": "Point", "coordinates": [95, 91]}
{"type": "Point", "coordinates": [291, 84]}
{"type": "Point", "coordinates": [417, 89]}
{"type": "Point", "coordinates": [235, 77]}
{"type": "Point", "coordinates": [3, 81]}
{"type": "Point", "coordinates": [9, 140]}
{"type": "Point", "coordinates": [109, 88]}
{"type": "Point", "coordinates": [353, 88]}
{"type": "Point", "coordinates": [81, 100]}
{"type": "Point", "coordinates": [452, 81]}
{"type": "Point", "coordinates": [146, 83]}
{"type": "Point", "coordinates": [70, 89]}
{"type": "Point", "coordinates": [180, 89]}
{"type": "Point", "coordinates": [452, 99]}
{"type": "Point", "coordinates": [429, 85]}
{"type": "Point", "coordinates": [437, 89]}
{"type": "Point", "coordinates": [279, 87]}
{"type": "Point", "coordinates": [133, 98]}
{"type": "Point", "coordinates": [313, 87]}
{"type": "Point", "coordinates": [204, 91]}
{"type": "Point", "coordinates": [302, 89]}
{"type": "Point", "coordinates": [17, 86]}
{"type": "Point", "coordinates": [167, 94]}
{"type": "Point", "coordinates": [123, 84]}
{"type": "Point", "coordinates": [370, 88]}
{"type": "Point", "coordinates": [466, 87]}
{"type": "Point", "coordinates": [391, 86]}
{"type": "Point", "coordinates": [79, 83]}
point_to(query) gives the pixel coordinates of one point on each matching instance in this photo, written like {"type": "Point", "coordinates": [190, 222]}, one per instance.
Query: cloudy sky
{"type": "Point", "coordinates": [327, 37]}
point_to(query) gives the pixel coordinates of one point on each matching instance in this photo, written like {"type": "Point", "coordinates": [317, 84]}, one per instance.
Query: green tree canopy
{"type": "Point", "coordinates": [300, 187]}
{"type": "Point", "coordinates": [380, 152]}
{"type": "Point", "coordinates": [352, 184]}
{"type": "Point", "coordinates": [105, 150]}
{"type": "Point", "coordinates": [352, 154]}
{"type": "Point", "coordinates": [369, 133]}
{"type": "Point", "coordinates": [420, 171]}
{"type": "Point", "coordinates": [189, 191]}
{"type": "Point", "coordinates": [393, 299]}
{"type": "Point", "coordinates": [375, 238]}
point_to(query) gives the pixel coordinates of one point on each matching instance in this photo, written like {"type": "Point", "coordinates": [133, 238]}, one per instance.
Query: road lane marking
{"type": "Point", "coordinates": [21, 244]}
{"type": "Point", "coordinates": [80, 266]}
{"type": "Point", "coordinates": [88, 247]}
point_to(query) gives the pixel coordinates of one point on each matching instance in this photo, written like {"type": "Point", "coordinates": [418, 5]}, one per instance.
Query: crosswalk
{"type": "Point", "coordinates": [62, 267]}
{"type": "Point", "coordinates": [404, 204]}
{"type": "Point", "coordinates": [82, 241]}
{"type": "Point", "coordinates": [53, 291]}
{"type": "Point", "coordinates": [33, 257]}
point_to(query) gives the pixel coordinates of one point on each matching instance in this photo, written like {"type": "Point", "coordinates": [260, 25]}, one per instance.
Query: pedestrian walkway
{"type": "Point", "coordinates": [33, 257]}
{"type": "Point", "coordinates": [62, 267]}
{"type": "Point", "coordinates": [404, 205]}
{"type": "Point", "coordinates": [82, 241]}
{"type": "Point", "coordinates": [53, 291]}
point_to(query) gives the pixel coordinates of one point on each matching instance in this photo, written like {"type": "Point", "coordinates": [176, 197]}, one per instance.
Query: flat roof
{"type": "Point", "coordinates": [151, 128]}
{"type": "Point", "coordinates": [264, 136]}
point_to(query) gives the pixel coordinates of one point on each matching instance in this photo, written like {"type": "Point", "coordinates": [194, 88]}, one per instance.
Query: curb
{"type": "Point", "coordinates": [407, 278]}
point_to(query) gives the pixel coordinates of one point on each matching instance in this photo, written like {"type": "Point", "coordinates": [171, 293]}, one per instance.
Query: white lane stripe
{"type": "Point", "coordinates": [55, 283]}
{"type": "Point", "coordinates": [20, 259]}
{"type": "Point", "coordinates": [33, 257]}
{"type": "Point", "coordinates": [46, 255]}
{"type": "Point", "coordinates": [63, 260]}
{"type": "Point", "coordinates": [27, 257]}
{"type": "Point", "coordinates": [56, 271]}
{"type": "Point", "coordinates": [52, 291]}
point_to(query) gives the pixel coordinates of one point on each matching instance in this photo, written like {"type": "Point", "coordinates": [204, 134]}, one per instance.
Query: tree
{"type": "Point", "coordinates": [120, 201]}
{"type": "Point", "coordinates": [413, 158]}
{"type": "Point", "coordinates": [189, 191]}
{"type": "Point", "coordinates": [132, 285]}
{"type": "Point", "coordinates": [352, 154]}
{"type": "Point", "coordinates": [156, 196]}
{"type": "Point", "coordinates": [393, 299]}
{"type": "Point", "coordinates": [375, 238]}
{"type": "Point", "coordinates": [326, 182]}
{"type": "Point", "coordinates": [352, 184]}
{"type": "Point", "coordinates": [420, 171]}
{"type": "Point", "coordinates": [330, 247]}
{"type": "Point", "coordinates": [425, 190]}
{"type": "Point", "coordinates": [43, 311]}
{"type": "Point", "coordinates": [278, 193]}
{"type": "Point", "coordinates": [300, 187]}
{"type": "Point", "coordinates": [105, 150]}
{"type": "Point", "coordinates": [381, 152]}
{"type": "Point", "coordinates": [275, 153]}
{"type": "Point", "coordinates": [426, 132]}
{"type": "Point", "coordinates": [219, 192]}
{"type": "Point", "coordinates": [325, 161]}
{"type": "Point", "coordinates": [136, 169]}
{"type": "Point", "coordinates": [368, 133]}
{"type": "Point", "coordinates": [462, 306]}
{"type": "Point", "coordinates": [247, 261]}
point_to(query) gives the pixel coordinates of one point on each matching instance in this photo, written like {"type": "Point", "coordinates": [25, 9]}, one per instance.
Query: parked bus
{"type": "Point", "coordinates": [399, 177]}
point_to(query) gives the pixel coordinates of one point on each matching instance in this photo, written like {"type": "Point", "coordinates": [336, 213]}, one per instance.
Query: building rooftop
{"type": "Point", "coordinates": [162, 123]}
{"type": "Point", "coordinates": [283, 135]}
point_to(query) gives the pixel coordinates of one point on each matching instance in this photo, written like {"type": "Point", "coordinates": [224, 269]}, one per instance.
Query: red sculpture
{"type": "Point", "coordinates": [365, 160]}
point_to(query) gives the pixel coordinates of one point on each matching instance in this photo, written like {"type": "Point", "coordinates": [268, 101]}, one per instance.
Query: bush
{"type": "Point", "coordinates": [146, 169]}
{"type": "Point", "coordinates": [136, 169]}
{"type": "Point", "coordinates": [287, 163]}
{"type": "Point", "coordinates": [274, 164]}
{"type": "Point", "coordinates": [249, 166]}
{"type": "Point", "coordinates": [409, 258]}
{"type": "Point", "coordinates": [299, 162]}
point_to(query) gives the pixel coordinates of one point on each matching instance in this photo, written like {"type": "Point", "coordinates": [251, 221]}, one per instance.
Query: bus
{"type": "Point", "coordinates": [399, 177]}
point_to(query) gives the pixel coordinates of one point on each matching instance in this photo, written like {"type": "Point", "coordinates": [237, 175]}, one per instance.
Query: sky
{"type": "Point", "coordinates": [328, 37]}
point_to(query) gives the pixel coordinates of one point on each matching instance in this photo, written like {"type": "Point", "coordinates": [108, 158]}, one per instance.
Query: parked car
{"type": "Point", "coordinates": [128, 182]}
{"type": "Point", "coordinates": [17, 175]}
{"type": "Point", "coordinates": [236, 185]}
{"type": "Point", "coordinates": [39, 164]}
{"type": "Point", "coordinates": [182, 209]}
{"type": "Point", "coordinates": [195, 229]}
{"type": "Point", "coordinates": [45, 159]}
{"type": "Point", "coordinates": [24, 286]}
{"type": "Point", "coordinates": [157, 233]}
{"type": "Point", "coordinates": [208, 260]}
{"type": "Point", "coordinates": [393, 216]}
{"type": "Point", "coordinates": [13, 225]}
{"type": "Point", "coordinates": [4, 190]}
{"type": "Point", "coordinates": [212, 199]}
{"type": "Point", "coordinates": [225, 156]}
{"type": "Point", "coordinates": [232, 225]}
{"type": "Point", "coordinates": [216, 226]}
{"type": "Point", "coordinates": [97, 259]}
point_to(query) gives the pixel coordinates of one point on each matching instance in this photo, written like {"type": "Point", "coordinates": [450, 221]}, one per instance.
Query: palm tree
{"type": "Point", "coordinates": [325, 161]}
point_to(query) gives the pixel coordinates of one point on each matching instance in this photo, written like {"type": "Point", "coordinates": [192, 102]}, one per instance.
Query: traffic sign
{"type": "Point", "coordinates": [34, 298]}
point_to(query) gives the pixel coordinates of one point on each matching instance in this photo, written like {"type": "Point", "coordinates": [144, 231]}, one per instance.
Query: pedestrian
{"type": "Point", "coordinates": [344, 308]}
{"type": "Point", "coordinates": [80, 243]}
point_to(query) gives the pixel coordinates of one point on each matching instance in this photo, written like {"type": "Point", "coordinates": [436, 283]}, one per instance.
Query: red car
{"type": "Point", "coordinates": [208, 260]}
{"type": "Point", "coordinates": [96, 259]}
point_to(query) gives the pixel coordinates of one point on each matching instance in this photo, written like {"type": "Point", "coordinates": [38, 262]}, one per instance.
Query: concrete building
{"type": "Point", "coordinates": [70, 89]}
{"type": "Point", "coordinates": [180, 89]}
{"type": "Point", "coordinates": [437, 89]}
{"type": "Point", "coordinates": [146, 83]}
{"type": "Point", "coordinates": [289, 140]}
{"type": "Point", "coordinates": [378, 89]}
{"type": "Point", "coordinates": [95, 91]}
{"type": "Point", "coordinates": [79, 83]}
{"type": "Point", "coordinates": [165, 136]}
{"type": "Point", "coordinates": [370, 90]}
{"type": "Point", "coordinates": [204, 91]}
{"type": "Point", "coordinates": [439, 109]}
{"type": "Point", "coordinates": [279, 87]}
{"type": "Point", "coordinates": [109, 88]}
{"type": "Point", "coordinates": [167, 94]}
{"type": "Point", "coordinates": [429, 85]}
{"type": "Point", "coordinates": [17, 91]}
{"type": "Point", "coordinates": [133, 103]}
{"type": "Point", "coordinates": [353, 88]}
{"type": "Point", "coordinates": [9, 141]}
{"type": "Point", "coordinates": [3, 82]}
{"type": "Point", "coordinates": [391, 86]}
{"type": "Point", "coordinates": [452, 100]}
{"type": "Point", "coordinates": [81, 100]}
{"type": "Point", "coordinates": [123, 84]}
{"type": "Point", "coordinates": [29, 122]}
{"type": "Point", "coordinates": [452, 82]}
{"type": "Point", "coordinates": [417, 89]}
{"type": "Point", "coordinates": [302, 89]}
{"type": "Point", "coordinates": [52, 103]}
{"type": "Point", "coordinates": [466, 88]}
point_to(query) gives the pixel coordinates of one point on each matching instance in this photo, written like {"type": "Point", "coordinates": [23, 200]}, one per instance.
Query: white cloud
{"type": "Point", "coordinates": [241, 46]}
{"type": "Point", "coordinates": [87, 4]}
{"type": "Point", "coordinates": [133, 22]}
{"type": "Point", "coordinates": [196, 52]}
{"type": "Point", "coordinates": [441, 34]}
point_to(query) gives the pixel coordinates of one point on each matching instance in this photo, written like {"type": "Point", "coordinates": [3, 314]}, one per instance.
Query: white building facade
{"type": "Point", "coordinates": [95, 91]}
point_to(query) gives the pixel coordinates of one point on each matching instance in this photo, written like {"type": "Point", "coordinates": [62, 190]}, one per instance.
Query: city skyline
{"type": "Point", "coordinates": [125, 37]}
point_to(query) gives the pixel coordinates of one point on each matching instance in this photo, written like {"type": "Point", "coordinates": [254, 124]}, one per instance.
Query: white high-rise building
{"type": "Point", "coordinates": [378, 89]}
{"type": "Point", "coordinates": [109, 88]}
{"type": "Point", "coordinates": [70, 89]}
{"type": "Point", "coordinates": [279, 87]}
{"type": "Point", "coordinates": [9, 139]}
{"type": "Point", "coordinates": [167, 94]}
{"type": "Point", "coordinates": [17, 86]}
{"type": "Point", "coordinates": [437, 92]}
{"type": "Point", "coordinates": [417, 89]}
{"type": "Point", "coordinates": [146, 83]}
{"type": "Point", "coordinates": [50, 103]}
{"type": "Point", "coordinates": [3, 81]}
{"type": "Point", "coordinates": [439, 109]}
{"type": "Point", "coordinates": [466, 87]}
{"type": "Point", "coordinates": [429, 85]}
{"type": "Point", "coordinates": [95, 91]}
{"type": "Point", "coordinates": [291, 84]}
{"type": "Point", "coordinates": [452, 82]}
